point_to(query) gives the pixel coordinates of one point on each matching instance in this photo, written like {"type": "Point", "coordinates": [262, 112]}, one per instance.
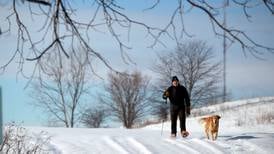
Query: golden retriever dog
{"type": "Point", "coordinates": [211, 126]}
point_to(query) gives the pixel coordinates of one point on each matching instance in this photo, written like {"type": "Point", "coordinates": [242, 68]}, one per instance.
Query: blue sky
{"type": "Point", "coordinates": [246, 75]}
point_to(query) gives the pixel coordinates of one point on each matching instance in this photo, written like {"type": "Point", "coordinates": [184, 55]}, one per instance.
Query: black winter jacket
{"type": "Point", "coordinates": [177, 96]}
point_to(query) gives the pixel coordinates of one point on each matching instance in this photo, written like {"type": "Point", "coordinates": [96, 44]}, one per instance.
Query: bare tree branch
{"type": "Point", "coordinates": [17, 140]}
{"type": "Point", "coordinates": [94, 117]}
{"type": "Point", "coordinates": [238, 35]}
{"type": "Point", "coordinates": [270, 5]}
{"type": "Point", "coordinates": [192, 63]}
{"type": "Point", "coordinates": [63, 29]}
{"type": "Point", "coordinates": [61, 89]}
{"type": "Point", "coordinates": [40, 2]}
{"type": "Point", "coordinates": [127, 97]}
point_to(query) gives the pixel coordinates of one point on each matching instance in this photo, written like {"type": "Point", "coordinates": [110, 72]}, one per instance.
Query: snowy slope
{"type": "Point", "coordinates": [234, 136]}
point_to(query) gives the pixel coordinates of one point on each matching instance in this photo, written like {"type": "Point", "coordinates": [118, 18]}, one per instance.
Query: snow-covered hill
{"type": "Point", "coordinates": [239, 132]}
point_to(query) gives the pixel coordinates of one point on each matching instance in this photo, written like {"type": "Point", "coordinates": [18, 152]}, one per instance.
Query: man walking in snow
{"type": "Point", "coordinates": [179, 106]}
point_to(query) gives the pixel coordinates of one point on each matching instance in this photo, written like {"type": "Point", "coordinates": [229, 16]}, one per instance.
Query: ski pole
{"type": "Point", "coordinates": [162, 127]}
{"type": "Point", "coordinates": [163, 122]}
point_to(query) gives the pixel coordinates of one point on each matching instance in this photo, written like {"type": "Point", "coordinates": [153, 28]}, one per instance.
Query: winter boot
{"type": "Point", "coordinates": [173, 135]}
{"type": "Point", "coordinates": [184, 133]}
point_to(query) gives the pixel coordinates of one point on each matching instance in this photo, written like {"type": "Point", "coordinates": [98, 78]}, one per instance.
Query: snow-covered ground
{"type": "Point", "coordinates": [238, 133]}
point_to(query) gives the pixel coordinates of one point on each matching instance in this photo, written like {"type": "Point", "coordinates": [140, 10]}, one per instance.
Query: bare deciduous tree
{"type": "Point", "coordinates": [94, 117]}
{"type": "Point", "coordinates": [160, 110]}
{"type": "Point", "coordinates": [193, 64]}
{"type": "Point", "coordinates": [159, 107]}
{"type": "Point", "coordinates": [127, 97]}
{"type": "Point", "coordinates": [61, 89]}
{"type": "Point", "coordinates": [63, 27]}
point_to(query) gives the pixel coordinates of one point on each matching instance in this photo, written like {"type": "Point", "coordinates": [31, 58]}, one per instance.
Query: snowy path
{"type": "Point", "coordinates": [146, 141]}
{"type": "Point", "coordinates": [233, 138]}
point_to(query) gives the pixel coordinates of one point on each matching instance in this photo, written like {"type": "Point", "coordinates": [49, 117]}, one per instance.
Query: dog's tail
{"type": "Point", "coordinates": [201, 120]}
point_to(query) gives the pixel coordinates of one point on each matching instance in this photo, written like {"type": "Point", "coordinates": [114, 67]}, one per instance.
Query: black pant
{"type": "Point", "coordinates": [176, 111]}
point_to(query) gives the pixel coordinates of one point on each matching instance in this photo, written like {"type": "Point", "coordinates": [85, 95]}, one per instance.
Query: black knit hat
{"type": "Point", "coordinates": [174, 78]}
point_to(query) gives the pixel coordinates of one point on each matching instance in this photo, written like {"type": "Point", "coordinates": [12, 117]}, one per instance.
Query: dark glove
{"type": "Point", "coordinates": [165, 95]}
{"type": "Point", "coordinates": [187, 111]}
